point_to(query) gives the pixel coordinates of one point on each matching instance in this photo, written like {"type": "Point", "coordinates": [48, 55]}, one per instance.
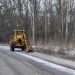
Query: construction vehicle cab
{"type": "Point", "coordinates": [18, 40]}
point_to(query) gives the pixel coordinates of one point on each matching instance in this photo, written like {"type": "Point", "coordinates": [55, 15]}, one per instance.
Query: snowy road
{"type": "Point", "coordinates": [19, 63]}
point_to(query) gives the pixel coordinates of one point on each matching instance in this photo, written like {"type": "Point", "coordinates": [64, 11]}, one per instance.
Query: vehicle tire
{"type": "Point", "coordinates": [12, 48]}
{"type": "Point", "coordinates": [22, 48]}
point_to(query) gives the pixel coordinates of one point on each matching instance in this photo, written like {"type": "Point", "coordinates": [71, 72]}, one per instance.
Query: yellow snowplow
{"type": "Point", "coordinates": [19, 40]}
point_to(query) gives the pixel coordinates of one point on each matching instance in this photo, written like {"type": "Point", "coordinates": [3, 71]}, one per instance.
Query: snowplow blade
{"type": "Point", "coordinates": [28, 47]}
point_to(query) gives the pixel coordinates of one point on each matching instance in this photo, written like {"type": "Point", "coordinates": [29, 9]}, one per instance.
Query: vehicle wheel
{"type": "Point", "coordinates": [22, 48]}
{"type": "Point", "coordinates": [12, 48]}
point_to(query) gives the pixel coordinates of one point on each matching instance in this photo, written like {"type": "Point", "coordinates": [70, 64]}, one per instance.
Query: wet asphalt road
{"type": "Point", "coordinates": [13, 64]}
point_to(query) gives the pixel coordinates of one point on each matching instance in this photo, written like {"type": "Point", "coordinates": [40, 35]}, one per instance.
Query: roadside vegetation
{"type": "Point", "coordinates": [47, 23]}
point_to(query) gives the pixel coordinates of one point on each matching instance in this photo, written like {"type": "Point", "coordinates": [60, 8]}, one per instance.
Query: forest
{"type": "Point", "coordinates": [46, 22]}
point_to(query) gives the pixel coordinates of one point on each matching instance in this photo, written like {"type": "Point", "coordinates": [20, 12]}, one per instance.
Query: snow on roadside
{"type": "Point", "coordinates": [4, 47]}
{"type": "Point", "coordinates": [47, 48]}
{"type": "Point", "coordinates": [70, 53]}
